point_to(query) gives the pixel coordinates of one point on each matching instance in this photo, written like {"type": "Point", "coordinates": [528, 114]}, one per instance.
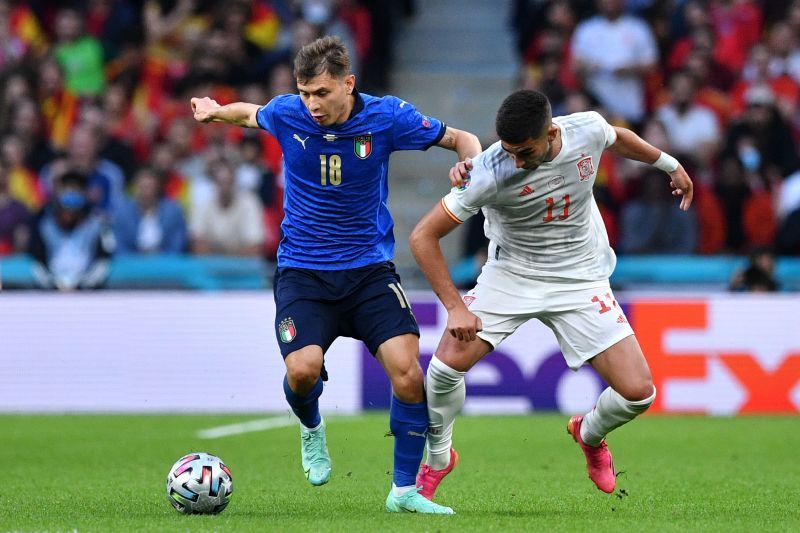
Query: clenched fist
{"type": "Point", "coordinates": [203, 108]}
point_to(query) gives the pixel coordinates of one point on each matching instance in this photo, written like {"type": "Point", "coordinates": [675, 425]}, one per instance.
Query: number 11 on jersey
{"type": "Point", "coordinates": [550, 203]}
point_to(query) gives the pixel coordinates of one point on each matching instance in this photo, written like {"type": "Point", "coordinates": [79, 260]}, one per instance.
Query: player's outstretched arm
{"type": "Point", "coordinates": [631, 146]}
{"type": "Point", "coordinates": [238, 113]}
{"type": "Point", "coordinates": [424, 241]}
{"type": "Point", "coordinates": [465, 144]}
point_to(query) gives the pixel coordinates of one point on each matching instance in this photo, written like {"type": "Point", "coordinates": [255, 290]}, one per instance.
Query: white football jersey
{"type": "Point", "coordinates": [545, 222]}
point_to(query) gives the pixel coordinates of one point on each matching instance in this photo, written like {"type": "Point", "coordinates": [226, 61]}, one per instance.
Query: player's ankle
{"type": "Point", "coordinates": [439, 461]}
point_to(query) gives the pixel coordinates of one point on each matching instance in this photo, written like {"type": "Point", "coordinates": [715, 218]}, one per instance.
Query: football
{"type": "Point", "coordinates": [199, 483]}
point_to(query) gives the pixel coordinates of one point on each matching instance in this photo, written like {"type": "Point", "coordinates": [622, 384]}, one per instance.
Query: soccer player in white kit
{"type": "Point", "coordinates": [549, 259]}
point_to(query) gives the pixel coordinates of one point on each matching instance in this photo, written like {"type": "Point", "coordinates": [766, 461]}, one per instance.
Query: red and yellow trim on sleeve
{"type": "Point", "coordinates": [450, 213]}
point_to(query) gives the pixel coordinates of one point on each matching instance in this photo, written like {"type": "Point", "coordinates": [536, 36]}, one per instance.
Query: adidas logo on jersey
{"type": "Point", "coordinates": [526, 190]}
{"type": "Point", "coordinates": [621, 319]}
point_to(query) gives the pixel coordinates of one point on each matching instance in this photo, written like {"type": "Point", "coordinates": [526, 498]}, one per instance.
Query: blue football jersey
{"type": "Point", "coordinates": [336, 178]}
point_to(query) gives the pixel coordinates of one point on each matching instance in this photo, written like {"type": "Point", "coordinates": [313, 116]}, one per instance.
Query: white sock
{"type": "Point", "coordinates": [610, 412]}
{"type": "Point", "coordinates": [321, 423]}
{"type": "Point", "coordinates": [446, 392]}
{"type": "Point", "coordinates": [399, 491]}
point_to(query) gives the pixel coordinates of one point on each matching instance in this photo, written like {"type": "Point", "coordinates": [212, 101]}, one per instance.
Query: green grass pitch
{"type": "Point", "coordinates": [107, 473]}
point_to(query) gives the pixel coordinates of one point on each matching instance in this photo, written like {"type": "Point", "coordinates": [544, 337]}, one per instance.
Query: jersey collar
{"type": "Point", "coordinates": [358, 105]}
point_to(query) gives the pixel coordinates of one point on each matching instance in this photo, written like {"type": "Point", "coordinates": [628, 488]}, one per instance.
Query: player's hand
{"type": "Point", "coordinates": [682, 186]}
{"type": "Point", "coordinates": [203, 107]}
{"type": "Point", "coordinates": [462, 324]}
{"type": "Point", "coordinates": [460, 172]}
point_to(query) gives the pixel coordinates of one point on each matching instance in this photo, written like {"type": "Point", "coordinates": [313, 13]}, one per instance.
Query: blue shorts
{"type": "Point", "coordinates": [317, 306]}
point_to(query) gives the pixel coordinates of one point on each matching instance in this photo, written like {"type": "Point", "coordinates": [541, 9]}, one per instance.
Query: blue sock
{"type": "Point", "coordinates": [409, 424]}
{"type": "Point", "coordinates": [305, 406]}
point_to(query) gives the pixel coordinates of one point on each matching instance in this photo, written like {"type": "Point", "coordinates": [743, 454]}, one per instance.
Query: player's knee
{"type": "Point", "coordinates": [407, 384]}
{"type": "Point", "coordinates": [642, 391]}
{"type": "Point", "coordinates": [303, 374]}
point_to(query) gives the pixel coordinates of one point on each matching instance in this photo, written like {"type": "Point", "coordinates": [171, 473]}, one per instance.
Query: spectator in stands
{"type": "Point", "coordinates": [232, 222]}
{"type": "Point", "coordinates": [691, 128]}
{"type": "Point", "coordinates": [70, 245]}
{"type": "Point", "coordinates": [787, 239]}
{"type": "Point", "coordinates": [149, 223]}
{"type": "Point", "coordinates": [106, 180]}
{"type": "Point", "coordinates": [14, 218]}
{"type": "Point", "coordinates": [109, 147]}
{"type": "Point", "coordinates": [253, 175]}
{"type": "Point", "coordinates": [25, 122]}
{"type": "Point", "coordinates": [652, 223]}
{"type": "Point", "coordinates": [758, 275]}
{"type": "Point", "coordinates": [23, 183]}
{"type": "Point", "coordinates": [737, 25]}
{"type": "Point", "coordinates": [758, 74]}
{"type": "Point", "coordinates": [79, 54]}
{"type": "Point", "coordinates": [613, 52]}
{"type": "Point", "coordinates": [173, 185]}
{"type": "Point", "coordinates": [784, 50]}
{"type": "Point", "coordinates": [761, 137]}
{"type": "Point", "coordinates": [12, 48]}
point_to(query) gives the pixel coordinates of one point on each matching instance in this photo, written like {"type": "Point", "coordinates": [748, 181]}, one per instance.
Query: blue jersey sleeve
{"type": "Point", "coordinates": [412, 129]}
{"type": "Point", "coordinates": [265, 116]}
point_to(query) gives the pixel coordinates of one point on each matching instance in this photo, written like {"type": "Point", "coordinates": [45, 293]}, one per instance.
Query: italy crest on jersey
{"type": "Point", "coordinates": [286, 330]}
{"type": "Point", "coordinates": [363, 146]}
{"type": "Point", "coordinates": [585, 168]}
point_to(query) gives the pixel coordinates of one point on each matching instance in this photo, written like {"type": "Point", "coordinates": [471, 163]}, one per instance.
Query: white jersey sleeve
{"type": "Point", "coordinates": [607, 136]}
{"type": "Point", "coordinates": [480, 188]}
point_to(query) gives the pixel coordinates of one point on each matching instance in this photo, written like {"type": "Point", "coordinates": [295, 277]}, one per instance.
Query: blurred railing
{"type": "Point", "coordinates": [160, 272]}
{"type": "Point", "coordinates": [238, 273]}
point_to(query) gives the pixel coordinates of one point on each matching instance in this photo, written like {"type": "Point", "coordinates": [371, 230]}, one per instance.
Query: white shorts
{"type": "Point", "coordinates": [584, 315]}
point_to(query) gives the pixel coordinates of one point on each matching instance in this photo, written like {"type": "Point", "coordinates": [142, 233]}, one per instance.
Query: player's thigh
{"type": "Point", "coordinates": [585, 319]}
{"type": "Point", "coordinates": [378, 310]}
{"type": "Point", "coordinates": [503, 300]}
{"type": "Point", "coordinates": [302, 317]}
{"type": "Point", "coordinates": [461, 355]}
{"type": "Point", "coordinates": [625, 369]}
{"type": "Point", "coordinates": [399, 357]}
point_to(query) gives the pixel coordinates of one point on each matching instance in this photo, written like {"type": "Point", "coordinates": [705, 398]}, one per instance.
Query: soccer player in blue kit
{"type": "Point", "coordinates": [335, 276]}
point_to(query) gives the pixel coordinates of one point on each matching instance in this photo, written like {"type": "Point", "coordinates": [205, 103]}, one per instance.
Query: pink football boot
{"type": "Point", "coordinates": [599, 462]}
{"type": "Point", "coordinates": [429, 479]}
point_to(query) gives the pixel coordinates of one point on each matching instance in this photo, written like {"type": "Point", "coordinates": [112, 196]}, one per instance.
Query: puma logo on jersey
{"type": "Point", "coordinates": [526, 190]}
{"type": "Point", "coordinates": [297, 138]}
{"type": "Point", "coordinates": [415, 434]}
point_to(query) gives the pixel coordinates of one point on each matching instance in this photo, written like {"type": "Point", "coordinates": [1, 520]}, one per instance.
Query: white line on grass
{"type": "Point", "coordinates": [261, 424]}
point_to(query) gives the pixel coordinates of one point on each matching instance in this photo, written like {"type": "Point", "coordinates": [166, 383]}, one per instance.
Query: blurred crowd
{"type": "Point", "coordinates": [99, 152]}
{"type": "Point", "coordinates": [716, 83]}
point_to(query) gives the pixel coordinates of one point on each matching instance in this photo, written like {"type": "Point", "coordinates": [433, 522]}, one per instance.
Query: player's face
{"type": "Point", "coordinates": [327, 98]}
{"type": "Point", "coordinates": [530, 154]}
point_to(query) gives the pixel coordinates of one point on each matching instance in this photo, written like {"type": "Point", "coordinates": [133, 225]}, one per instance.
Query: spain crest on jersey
{"type": "Point", "coordinates": [286, 330]}
{"type": "Point", "coordinates": [585, 168]}
{"type": "Point", "coordinates": [363, 146]}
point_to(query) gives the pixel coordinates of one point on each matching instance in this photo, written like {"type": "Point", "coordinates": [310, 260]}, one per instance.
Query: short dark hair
{"type": "Point", "coordinates": [74, 178]}
{"type": "Point", "coordinates": [326, 54]}
{"type": "Point", "coordinates": [523, 115]}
